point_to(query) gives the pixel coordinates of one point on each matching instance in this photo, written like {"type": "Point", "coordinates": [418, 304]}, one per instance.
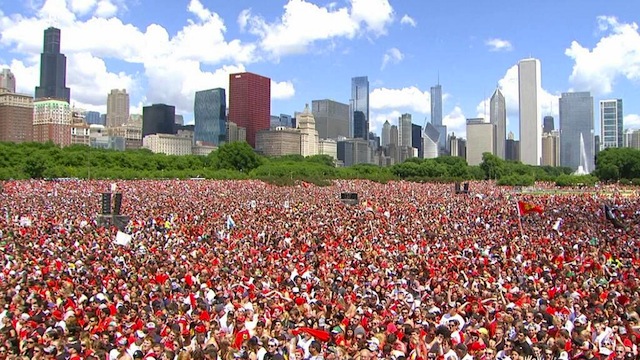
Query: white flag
{"type": "Point", "coordinates": [123, 239]}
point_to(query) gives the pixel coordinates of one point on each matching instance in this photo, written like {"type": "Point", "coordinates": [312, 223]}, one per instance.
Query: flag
{"type": "Point", "coordinates": [611, 217]}
{"type": "Point", "coordinates": [122, 239]}
{"type": "Point", "coordinates": [316, 333]}
{"type": "Point", "coordinates": [230, 222]}
{"type": "Point", "coordinates": [557, 224]}
{"type": "Point", "coordinates": [525, 208]}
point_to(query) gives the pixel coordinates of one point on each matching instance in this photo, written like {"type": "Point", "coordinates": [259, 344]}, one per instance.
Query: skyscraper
{"type": "Point", "coordinates": [309, 138]}
{"type": "Point", "coordinates": [436, 115]}
{"type": "Point", "coordinates": [611, 124]}
{"type": "Point", "coordinates": [250, 103]}
{"type": "Point", "coordinates": [529, 85]}
{"type": "Point", "coordinates": [7, 80]}
{"type": "Point", "coordinates": [547, 124]}
{"type": "Point", "coordinates": [53, 69]}
{"type": "Point", "coordinates": [209, 112]}
{"type": "Point", "coordinates": [332, 118]}
{"type": "Point", "coordinates": [576, 131]}
{"type": "Point", "coordinates": [479, 140]}
{"type": "Point", "coordinates": [416, 139]}
{"type": "Point", "coordinates": [158, 119]}
{"type": "Point", "coordinates": [16, 117]}
{"type": "Point", "coordinates": [404, 130]}
{"type": "Point", "coordinates": [93, 118]}
{"type": "Point", "coordinates": [117, 108]}
{"type": "Point", "coordinates": [394, 136]}
{"type": "Point", "coordinates": [386, 133]}
{"type": "Point", "coordinates": [430, 142]}
{"type": "Point", "coordinates": [498, 117]}
{"type": "Point", "coordinates": [551, 148]}
{"type": "Point", "coordinates": [359, 112]}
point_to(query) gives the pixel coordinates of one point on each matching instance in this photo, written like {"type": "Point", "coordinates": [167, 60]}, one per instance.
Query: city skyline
{"type": "Point", "coordinates": [307, 60]}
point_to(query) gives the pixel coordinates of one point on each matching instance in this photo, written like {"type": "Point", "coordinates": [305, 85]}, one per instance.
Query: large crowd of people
{"type": "Point", "coordinates": [243, 269]}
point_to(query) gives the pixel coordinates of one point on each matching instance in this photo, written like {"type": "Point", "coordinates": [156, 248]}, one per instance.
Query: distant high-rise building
{"type": "Point", "coordinates": [548, 124]}
{"type": "Point", "coordinates": [7, 80]}
{"type": "Point", "coordinates": [386, 133]}
{"type": "Point", "coordinates": [52, 121]}
{"type": "Point", "coordinates": [498, 117]}
{"type": "Point", "coordinates": [354, 151]}
{"type": "Point", "coordinates": [332, 118]}
{"type": "Point", "coordinates": [479, 140]}
{"type": "Point", "coordinates": [394, 137]}
{"type": "Point", "coordinates": [16, 117]}
{"type": "Point", "coordinates": [209, 112]}
{"type": "Point", "coordinates": [436, 116]}
{"type": "Point", "coordinates": [53, 69]}
{"type": "Point", "coordinates": [576, 131]}
{"type": "Point", "coordinates": [430, 140]}
{"type": "Point", "coordinates": [632, 139]}
{"type": "Point", "coordinates": [529, 90]}
{"type": "Point", "coordinates": [93, 118]}
{"type": "Point", "coordinates": [416, 139]}
{"type": "Point", "coordinates": [374, 140]}
{"type": "Point", "coordinates": [158, 119]}
{"type": "Point", "coordinates": [457, 146]}
{"type": "Point", "coordinates": [250, 103]}
{"type": "Point", "coordinates": [279, 141]}
{"type": "Point", "coordinates": [611, 124]}
{"type": "Point", "coordinates": [404, 130]}
{"type": "Point", "coordinates": [117, 108]}
{"type": "Point", "coordinates": [596, 144]}
{"type": "Point", "coordinates": [512, 148]}
{"type": "Point", "coordinates": [551, 148]}
{"type": "Point", "coordinates": [179, 119]}
{"type": "Point", "coordinates": [359, 107]}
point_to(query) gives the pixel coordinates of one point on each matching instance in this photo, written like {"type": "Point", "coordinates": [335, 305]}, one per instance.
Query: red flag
{"type": "Point", "coordinates": [318, 334]}
{"type": "Point", "coordinates": [525, 208]}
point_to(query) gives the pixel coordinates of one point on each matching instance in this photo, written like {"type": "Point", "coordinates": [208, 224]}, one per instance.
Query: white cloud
{"type": "Point", "coordinates": [408, 20]}
{"type": "Point", "coordinates": [282, 90]}
{"type": "Point", "coordinates": [106, 9]}
{"type": "Point", "coordinates": [408, 98]}
{"type": "Point", "coordinates": [195, 7]}
{"type": "Point", "coordinates": [174, 67]}
{"type": "Point", "coordinates": [26, 73]}
{"type": "Point", "coordinates": [498, 45]}
{"type": "Point", "coordinates": [456, 122]}
{"type": "Point", "coordinates": [378, 119]}
{"type": "Point", "coordinates": [615, 55]}
{"type": "Point", "coordinates": [389, 104]}
{"type": "Point", "coordinates": [304, 23]}
{"type": "Point", "coordinates": [83, 84]}
{"type": "Point", "coordinates": [392, 56]}
{"type": "Point", "coordinates": [632, 121]}
{"type": "Point", "coordinates": [82, 7]}
{"type": "Point", "coordinates": [375, 14]}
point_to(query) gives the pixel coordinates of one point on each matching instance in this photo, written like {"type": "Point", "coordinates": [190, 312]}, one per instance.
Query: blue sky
{"type": "Point", "coordinates": [165, 50]}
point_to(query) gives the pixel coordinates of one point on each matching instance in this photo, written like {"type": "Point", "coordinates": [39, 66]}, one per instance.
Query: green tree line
{"type": "Point", "coordinates": [238, 161]}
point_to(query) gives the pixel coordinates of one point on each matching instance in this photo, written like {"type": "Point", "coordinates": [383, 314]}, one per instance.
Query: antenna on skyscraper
{"type": "Point", "coordinates": [438, 78]}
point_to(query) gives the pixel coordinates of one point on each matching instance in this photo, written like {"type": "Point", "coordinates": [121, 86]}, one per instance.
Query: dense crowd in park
{"type": "Point", "coordinates": [243, 269]}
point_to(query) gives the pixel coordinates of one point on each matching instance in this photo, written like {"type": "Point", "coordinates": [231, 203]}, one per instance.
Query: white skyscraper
{"type": "Point", "coordinates": [529, 89]}
{"type": "Point", "coordinates": [309, 138]}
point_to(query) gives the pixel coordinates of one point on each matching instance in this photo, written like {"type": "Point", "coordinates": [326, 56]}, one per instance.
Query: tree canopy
{"type": "Point", "coordinates": [238, 160]}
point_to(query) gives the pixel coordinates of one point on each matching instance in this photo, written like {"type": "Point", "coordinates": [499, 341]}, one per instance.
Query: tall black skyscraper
{"type": "Point", "coordinates": [53, 69]}
{"type": "Point", "coordinates": [158, 119]}
{"type": "Point", "coordinates": [547, 124]}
